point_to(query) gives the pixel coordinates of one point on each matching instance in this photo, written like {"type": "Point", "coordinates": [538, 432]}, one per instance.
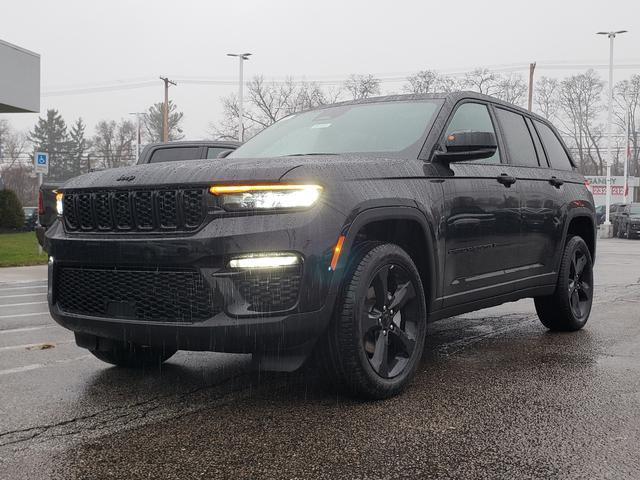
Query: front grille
{"type": "Point", "coordinates": [134, 210]}
{"type": "Point", "coordinates": [151, 295]}
{"type": "Point", "coordinates": [269, 290]}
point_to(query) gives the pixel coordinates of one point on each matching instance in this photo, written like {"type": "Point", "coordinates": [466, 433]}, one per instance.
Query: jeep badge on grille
{"type": "Point", "coordinates": [125, 178]}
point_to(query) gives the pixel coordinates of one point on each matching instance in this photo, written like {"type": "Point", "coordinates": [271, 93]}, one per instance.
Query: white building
{"type": "Point", "coordinates": [19, 80]}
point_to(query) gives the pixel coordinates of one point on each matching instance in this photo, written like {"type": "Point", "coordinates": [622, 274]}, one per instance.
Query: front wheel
{"type": "Point", "coordinates": [375, 341]}
{"type": "Point", "coordinates": [134, 356]}
{"type": "Point", "coordinates": [568, 308]}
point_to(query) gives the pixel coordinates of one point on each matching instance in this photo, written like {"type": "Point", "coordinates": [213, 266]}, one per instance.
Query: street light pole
{"type": "Point", "coordinates": [607, 222]}
{"type": "Point", "coordinates": [138, 136]}
{"type": "Point", "coordinates": [241, 58]}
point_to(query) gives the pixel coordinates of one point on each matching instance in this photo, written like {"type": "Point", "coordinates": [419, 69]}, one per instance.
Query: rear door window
{"type": "Point", "coordinates": [174, 154]}
{"type": "Point", "coordinates": [556, 153]}
{"type": "Point", "coordinates": [518, 138]}
{"type": "Point", "coordinates": [473, 117]}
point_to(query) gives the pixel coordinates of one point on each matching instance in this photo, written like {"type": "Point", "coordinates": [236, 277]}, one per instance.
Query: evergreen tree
{"type": "Point", "coordinates": [50, 135]}
{"type": "Point", "coordinates": [78, 146]}
{"type": "Point", "coordinates": [153, 122]}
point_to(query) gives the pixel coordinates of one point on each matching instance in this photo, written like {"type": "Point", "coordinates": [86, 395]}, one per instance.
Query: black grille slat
{"type": "Point", "coordinates": [135, 210]}
{"type": "Point", "coordinates": [102, 210]}
{"type": "Point", "coordinates": [122, 210]}
{"type": "Point", "coordinates": [146, 295]}
{"type": "Point", "coordinates": [168, 209]}
{"type": "Point", "coordinates": [143, 206]}
{"type": "Point", "coordinates": [70, 215]}
{"type": "Point", "coordinates": [192, 207]}
{"type": "Point", "coordinates": [85, 213]}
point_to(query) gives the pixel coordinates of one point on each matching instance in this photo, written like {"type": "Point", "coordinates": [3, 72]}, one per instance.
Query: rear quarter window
{"type": "Point", "coordinates": [556, 153]}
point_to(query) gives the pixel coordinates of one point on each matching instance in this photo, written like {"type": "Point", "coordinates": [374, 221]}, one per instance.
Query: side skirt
{"type": "Point", "coordinates": [491, 302]}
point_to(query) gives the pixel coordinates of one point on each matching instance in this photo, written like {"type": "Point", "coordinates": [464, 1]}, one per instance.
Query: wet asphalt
{"type": "Point", "coordinates": [496, 396]}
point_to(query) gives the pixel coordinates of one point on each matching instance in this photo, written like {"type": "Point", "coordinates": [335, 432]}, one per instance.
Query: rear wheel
{"type": "Point", "coordinates": [375, 341]}
{"type": "Point", "coordinates": [568, 308]}
{"type": "Point", "coordinates": [134, 356]}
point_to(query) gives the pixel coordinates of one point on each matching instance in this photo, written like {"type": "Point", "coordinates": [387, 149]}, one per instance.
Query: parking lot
{"type": "Point", "coordinates": [496, 396]}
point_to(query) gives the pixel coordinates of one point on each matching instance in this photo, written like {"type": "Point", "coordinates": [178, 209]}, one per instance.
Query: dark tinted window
{"type": "Point", "coordinates": [174, 154]}
{"type": "Point", "coordinates": [213, 152]}
{"type": "Point", "coordinates": [473, 117]}
{"type": "Point", "coordinates": [556, 154]}
{"type": "Point", "coordinates": [542, 158]}
{"type": "Point", "coordinates": [518, 139]}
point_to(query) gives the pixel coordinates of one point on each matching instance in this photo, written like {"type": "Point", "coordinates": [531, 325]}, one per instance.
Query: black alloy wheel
{"type": "Point", "coordinates": [388, 321]}
{"type": "Point", "coordinates": [580, 284]}
{"type": "Point", "coordinates": [568, 308]}
{"type": "Point", "coordinates": [374, 344]}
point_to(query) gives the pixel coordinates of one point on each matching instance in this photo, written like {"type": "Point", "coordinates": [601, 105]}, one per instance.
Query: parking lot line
{"type": "Point", "coordinates": [23, 295]}
{"type": "Point", "coordinates": [22, 304]}
{"type": "Point", "coordinates": [37, 366]}
{"type": "Point", "coordinates": [24, 315]}
{"type": "Point", "coordinates": [31, 345]}
{"type": "Point", "coordinates": [26, 329]}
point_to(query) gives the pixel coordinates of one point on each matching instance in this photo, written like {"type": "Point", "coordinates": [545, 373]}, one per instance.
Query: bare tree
{"type": "Point", "coordinates": [113, 143]}
{"type": "Point", "coordinates": [580, 103]}
{"type": "Point", "coordinates": [362, 86]}
{"type": "Point", "coordinates": [546, 96]}
{"type": "Point", "coordinates": [268, 102]}
{"type": "Point", "coordinates": [425, 81]}
{"type": "Point", "coordinates": [482, 80]}
{"type": "Point", "coordinates": [627, 98]}
{"type": "Point", "coordinates": [511, 88]}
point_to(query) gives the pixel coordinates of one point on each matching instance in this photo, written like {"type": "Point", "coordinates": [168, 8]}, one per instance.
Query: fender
{"type": "Point", "coordinates": [365, 217]}
{"type": "Point", "coordinates": [576, 212]}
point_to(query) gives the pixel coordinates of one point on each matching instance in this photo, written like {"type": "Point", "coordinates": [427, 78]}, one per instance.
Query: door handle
{"type": "Point", "coordinates": [506, 180]}
{"type": "Point", "coordinates": [556, 182]}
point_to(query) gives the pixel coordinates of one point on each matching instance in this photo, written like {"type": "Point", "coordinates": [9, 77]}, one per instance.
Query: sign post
{"type": "Point", "coordinates": [41, 167]}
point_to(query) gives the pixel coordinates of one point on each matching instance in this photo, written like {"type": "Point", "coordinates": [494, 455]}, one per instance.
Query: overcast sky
{"type": "Point", "coordinates": [87, 43]}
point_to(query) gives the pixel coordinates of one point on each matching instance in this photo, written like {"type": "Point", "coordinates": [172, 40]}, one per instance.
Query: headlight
{"type": "Point", "coordinates": [266, 197]}
{"type": "Point", "coordinates": [59, 203]}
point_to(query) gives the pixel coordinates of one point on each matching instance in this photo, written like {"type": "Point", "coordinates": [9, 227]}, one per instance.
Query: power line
{"type": "Point", "coordinates": [138, 83]}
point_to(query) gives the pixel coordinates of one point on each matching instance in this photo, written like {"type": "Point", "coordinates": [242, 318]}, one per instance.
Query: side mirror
{"type": "Point", "coordinates": [224, 154]}
{"type": "Point", "coordinates": [465, 146]}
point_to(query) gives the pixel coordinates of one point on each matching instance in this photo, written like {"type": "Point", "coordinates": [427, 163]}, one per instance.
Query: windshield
{"type": "Point", "coordinates": [634, 209]}
{"type": "Point", "coordinates": [384, 127]}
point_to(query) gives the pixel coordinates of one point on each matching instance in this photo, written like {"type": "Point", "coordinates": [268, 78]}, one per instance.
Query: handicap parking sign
{"type": "Point", "coordinates": [41, 162]}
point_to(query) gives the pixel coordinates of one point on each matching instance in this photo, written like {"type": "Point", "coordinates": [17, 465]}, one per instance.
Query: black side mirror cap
{"type": "Point", "coordinates": [465, 146]}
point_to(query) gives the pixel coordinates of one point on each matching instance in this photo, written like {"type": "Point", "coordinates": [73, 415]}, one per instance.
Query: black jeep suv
{"type": "Point", "coordinates": [335, 235]}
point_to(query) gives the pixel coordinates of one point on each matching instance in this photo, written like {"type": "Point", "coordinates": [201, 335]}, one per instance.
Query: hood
{"type": "Point", "coordinates": [198, 172]}
{"type": "Point", "coordinates": [189, 172]}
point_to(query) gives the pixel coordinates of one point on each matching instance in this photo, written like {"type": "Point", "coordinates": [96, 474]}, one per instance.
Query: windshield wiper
{"type": "Point", "coordinates": [305, 154]}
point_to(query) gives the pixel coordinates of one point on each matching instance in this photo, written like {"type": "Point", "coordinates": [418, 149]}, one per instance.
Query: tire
{"type": "Point", "coordinates": [374, 342]}
{"type": "Point", "coordinates": [134, 356]}
{"type": "Point", "coordinates": [568, 308]}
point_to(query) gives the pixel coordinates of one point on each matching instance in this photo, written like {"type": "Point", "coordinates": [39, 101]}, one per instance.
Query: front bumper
{"type": "Point", "coordinates": [240, 324]}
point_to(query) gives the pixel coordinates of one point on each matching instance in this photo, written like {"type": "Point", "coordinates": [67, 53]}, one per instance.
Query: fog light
{"type": "Point", "coordinates": [268, 260]}
{"type": "Point", "coordinates": [50, 260]}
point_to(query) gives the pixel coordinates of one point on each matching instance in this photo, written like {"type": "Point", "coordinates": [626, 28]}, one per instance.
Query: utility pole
{"type": "Point", "coordinates": [607, 231]}
{"type": "Point", "coordinates": [532, 67]}
{"type": "Point", "coordinates": [139, 136]}
{"type": "Point", "coordinates": [241, 57]}
{"type": "Point", "coordinates": [165, 109]}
